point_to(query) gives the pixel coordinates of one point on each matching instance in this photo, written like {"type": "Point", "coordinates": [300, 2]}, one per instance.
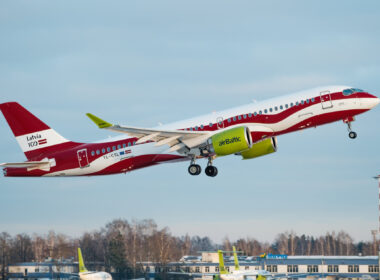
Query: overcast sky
{"type": "Point", "coordinates": [144, 62]}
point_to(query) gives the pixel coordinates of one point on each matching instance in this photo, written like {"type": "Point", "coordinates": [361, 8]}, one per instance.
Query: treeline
{"type": "Point", "coordinates": [123, 245]}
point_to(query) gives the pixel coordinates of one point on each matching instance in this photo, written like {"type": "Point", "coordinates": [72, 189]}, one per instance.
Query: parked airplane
{"type": "Point", "coordinates": [239, 274]}
{"type": "Point", "coordinates": [84, 274]}
{"type": "Point", "coordinates": [249, 131]}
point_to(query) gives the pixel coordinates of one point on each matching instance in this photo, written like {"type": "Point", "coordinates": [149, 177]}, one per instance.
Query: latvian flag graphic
{"type": "Point", "coordinates": [42, 141]}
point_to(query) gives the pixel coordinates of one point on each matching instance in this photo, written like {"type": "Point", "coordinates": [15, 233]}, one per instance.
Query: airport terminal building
{"type": "Point", "coordinates": [318, 267]}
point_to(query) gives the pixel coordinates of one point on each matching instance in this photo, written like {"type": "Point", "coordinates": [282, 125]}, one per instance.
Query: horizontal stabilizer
{"type": "Point", "coordinates": [30, 165]}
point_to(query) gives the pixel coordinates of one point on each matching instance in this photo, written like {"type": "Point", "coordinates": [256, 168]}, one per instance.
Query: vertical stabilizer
{"type": "Point", "coordinates": [222, 269]}
{"type": "Point", "coordinates": [237, 267]}
{"type": "Point", "coordinates": [34, 136]}
{"type": "Point", "coordinates": [82, 268]}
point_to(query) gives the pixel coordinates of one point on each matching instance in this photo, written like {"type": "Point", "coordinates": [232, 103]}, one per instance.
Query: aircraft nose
{"type": "Point", "coordinates": [374, 100]}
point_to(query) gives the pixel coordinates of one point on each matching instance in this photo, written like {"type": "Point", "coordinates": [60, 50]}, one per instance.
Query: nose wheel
{"type": "Point", "coordinates": [351, 134]}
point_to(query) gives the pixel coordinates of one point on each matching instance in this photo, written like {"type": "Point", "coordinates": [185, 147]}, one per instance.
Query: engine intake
{"type": "Point", "coordinates": [261, 148]}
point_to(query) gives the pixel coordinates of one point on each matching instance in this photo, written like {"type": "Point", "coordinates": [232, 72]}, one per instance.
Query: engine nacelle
{"type": "Point", "coordinates": [261, 148]}
{"type": "Point", "coordinates": [231, 141]}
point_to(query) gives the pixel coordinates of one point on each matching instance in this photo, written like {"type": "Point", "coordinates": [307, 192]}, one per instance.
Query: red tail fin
{"type": "Point", "coordinates": [34, 136]}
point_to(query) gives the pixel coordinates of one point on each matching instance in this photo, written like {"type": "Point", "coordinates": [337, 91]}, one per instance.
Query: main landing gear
{"type": "Point", "coordinates": [195, 169]}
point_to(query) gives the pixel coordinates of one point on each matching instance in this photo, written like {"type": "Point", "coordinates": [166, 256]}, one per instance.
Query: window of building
{"type": "Point", "coordinates": [187, 269]}
{"type": "Point", "coordinates": [147, 269]}
{"type": "Point", "coordinates": [309, 269]}
{"type": "Point", "coordinates": [216, 268]}
{"type": "Point", "coordinates": [291, 268]}
{"type": "Point", "coordinates": [373, 268]}
{"type": "Point", "coordinates": [228, 268]}
{"type": "Point", "coordinates": [336, 268]}
{"type": "Point", "coordinates": [197, 269]}
{"type": "Point", "coordinates": [356, 268]}
{"type": "Point", "coordinates": [315, 268]}
{"type": "Point", "coordinates": [247, 268]}
{"type": "Point", "coordinates": [36, 269]}
{"type": "Point", "coordinates": [274, 268]}
{"type": "Point", "coordinates": [207, 269]}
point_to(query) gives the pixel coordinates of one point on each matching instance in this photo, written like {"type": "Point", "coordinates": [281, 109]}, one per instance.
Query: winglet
{"type": "Point", "coordinates": [222, 269]}
{"type": "Point", "coordinates": [82, 268]}
{"type": "Point", "coordinates": [98, 121]}
{"type": "Point", "coordinates": [237, 267]}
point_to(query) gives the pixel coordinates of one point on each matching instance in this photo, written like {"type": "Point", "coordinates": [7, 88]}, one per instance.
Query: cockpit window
{"type": "Point", "coordinates": [350, 91]}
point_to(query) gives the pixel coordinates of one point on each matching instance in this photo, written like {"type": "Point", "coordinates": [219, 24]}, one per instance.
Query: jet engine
{"type": "Point", "coordinates": [231, 141]}
{"type": "Point", "coordinates": [261, 148]}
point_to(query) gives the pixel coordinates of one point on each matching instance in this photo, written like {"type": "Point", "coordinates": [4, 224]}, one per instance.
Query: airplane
{"type": "Point", "coordinates": [84, 274]}
{"type": "Point", "coordinates": [249, 131]}
{"type": "Point", "coordinates": [239, 274]}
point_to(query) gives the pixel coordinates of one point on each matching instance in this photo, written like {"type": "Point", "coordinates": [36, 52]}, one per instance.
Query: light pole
{"type": "Point", "coordinates": [375, 232]}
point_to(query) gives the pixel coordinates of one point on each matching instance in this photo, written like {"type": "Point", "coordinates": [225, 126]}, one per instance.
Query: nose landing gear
{"type": "Point", "coordinates": [351, 134]}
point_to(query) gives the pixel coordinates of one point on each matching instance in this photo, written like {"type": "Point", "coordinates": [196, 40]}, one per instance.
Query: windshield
{"type": "Point", "coordinates": [350, 91]}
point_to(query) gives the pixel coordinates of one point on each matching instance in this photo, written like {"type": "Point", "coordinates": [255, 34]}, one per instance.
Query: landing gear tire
{"type": "Point", "coordinates": [352, 134]}
{"type": "Point", "coordinates": [194, 169]}
{"type": "Point", "coordinates": [211, 171]}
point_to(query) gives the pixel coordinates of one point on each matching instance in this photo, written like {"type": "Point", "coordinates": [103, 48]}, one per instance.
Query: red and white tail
{"type": "Point", "coordinates": [34, 136]}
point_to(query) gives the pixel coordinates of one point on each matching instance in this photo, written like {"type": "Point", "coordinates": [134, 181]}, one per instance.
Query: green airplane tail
{"type": "Point", "coordinates": [222, 269]}
{"type": "Point", "coordinates": [82, 268]}
{"type": "Point", "coordinates": [237, 267]}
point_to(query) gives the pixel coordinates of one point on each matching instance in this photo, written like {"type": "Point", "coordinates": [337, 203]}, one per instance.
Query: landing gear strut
{"type": "Point", "coordinates": [211, 170]}
{"type": "Point", "coordinates": [194, 169]}
{"type": "Point", "coordinates": [351, 134]}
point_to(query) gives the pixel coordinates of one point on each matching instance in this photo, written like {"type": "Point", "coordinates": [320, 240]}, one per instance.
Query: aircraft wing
{"type": "Point", "coordinates": [176, 139]}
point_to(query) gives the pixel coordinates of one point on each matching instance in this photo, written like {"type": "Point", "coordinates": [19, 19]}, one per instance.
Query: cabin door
{"type": "Point", "coordinates": [326, 99]}
{"type": "Point", "coordinates": [82, 158]}
{"type": "Point", "coordinates": [219, 122]}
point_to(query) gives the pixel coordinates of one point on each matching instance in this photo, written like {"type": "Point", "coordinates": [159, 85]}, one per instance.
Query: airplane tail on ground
{"type": "Point", "coordinates": [222, 269]}
{"type": "Point", "coordinates": [237, 267]}
{"type": "Point", "coordinates": [34, 136]}
{"type": "Point", "coordinates": [82, 268]}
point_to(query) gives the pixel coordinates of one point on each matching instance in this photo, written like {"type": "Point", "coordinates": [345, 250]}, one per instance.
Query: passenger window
{"type": "Point", "coordinates": [245, 116]}
{"type": "Point", "coordinates": [134, 142]}
{"type": "Point", "coordinates": [239, 117]}
{"type": "Point", "coordinates": [113, 148]}
{"type": "Point", "coordinates": [307, 101]}
{"type": "Point", "coordinates": [210, 125]}
{"type": "Point", "coordinates": [265, 111]}
{"type": "Point", "coordinates": [118, 147]}
{"type": "Point", "coordinates": [124, 145]}
{"type": "Point", "coordinates": [229, 120]}
{"type": "Point", "coordinates": [255, 114]}
{"type": "Point", "coordinates": [313, 99]}
{"type": "Point", "coordinates": [270, 109]}
{"type": "Point", "coordinates": [97, 152]}
{"type": "Point", "coordinates": [129, 144]}
{"type": "Point", "coordinates": [260, 112]}
{"type": "Point", "coordinates": [302, 102]}
{"type": "Point", "coordinates": [234, 118]}
{"type": "Point", "coordinates": [202, 126]}
{"type": "Point", "coordinates": [275, 108]}
{"type": "Point", "coordinates": [92, 153]}
{"type": "Point", "coordinates": [196, 128]}
{"type": "Point", "coordinates": [108, 149]}
{"type": "Point", "coordinates": [291, 104]}
{"type": "Point", "coordinates": [250, 115]}
{"type": "Point", "coordinates": [286, 106]}
{"type": "Point", "coordinates": [281, 107]}
{"type": "Point", "coordinates": [103, 150]}
{"type": "Point", "coordinates": [297, 103]}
